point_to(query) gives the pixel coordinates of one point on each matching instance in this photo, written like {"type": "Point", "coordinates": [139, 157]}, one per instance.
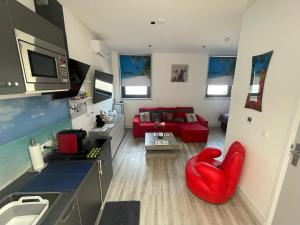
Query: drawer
{"type": "Point", "coordinates": [116, 141]}
{"type": "Point", "coordinates": [70, 215]}
{"type": "Point", "coordinates": [117, 126]}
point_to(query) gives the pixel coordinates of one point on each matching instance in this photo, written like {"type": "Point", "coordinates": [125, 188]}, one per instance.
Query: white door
{"type": "Point", "coordinates": [288, 207]}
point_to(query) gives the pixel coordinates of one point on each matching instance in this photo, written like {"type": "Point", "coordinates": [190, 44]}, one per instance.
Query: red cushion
{"type": "Point", "coordinates": [145, 109]}
{"type": "Point", "coordinates": [193, 128]}
{"type": "Point", "coordinates": [180, 115]}
{"type": "Point", "coordinates": [185, 109]}
{"type": "Point", "coordinates": [167, 109]}
{"type": "Point", "coordinates": [167, 116]}
{"type": "Point", "coordinates": [193, 132]}
{"type": "Point", "coordinates": [147, 127]}
{"type": "Point", "coordinates": [172, 127]}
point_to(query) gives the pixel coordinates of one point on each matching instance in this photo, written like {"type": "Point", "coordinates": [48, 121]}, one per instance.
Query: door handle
{"type": "Point", "coordinates": [100, 167]}
{"type": "Point", "coordinates": [296, 155]}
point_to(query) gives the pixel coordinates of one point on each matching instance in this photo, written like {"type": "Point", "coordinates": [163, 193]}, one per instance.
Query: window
{"type": "Point", "coordinates": [220, 76]}
{"type": "Point", "coordinates": [135, 72]}
{"type": "Point", "coordinates": [136, 90]}
{"type": "Point", "coordinates": [217, 90]}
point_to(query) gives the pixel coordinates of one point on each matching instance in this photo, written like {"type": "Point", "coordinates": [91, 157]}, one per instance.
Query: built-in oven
{"type": "Point", "coordinates": [44, 65]}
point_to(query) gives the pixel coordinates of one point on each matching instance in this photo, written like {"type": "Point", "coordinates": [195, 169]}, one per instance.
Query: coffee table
{"type": "Point", "coordinates": [166, 149]}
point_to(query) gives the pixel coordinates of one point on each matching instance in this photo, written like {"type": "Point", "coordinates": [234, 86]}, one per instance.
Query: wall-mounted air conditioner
{"type": "Point", "coordinates": [99, 48]}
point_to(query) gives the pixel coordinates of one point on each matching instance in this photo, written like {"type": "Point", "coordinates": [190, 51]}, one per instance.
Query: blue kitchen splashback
{"type": "Point", "coordinates": [20, 117]}
{"type": "Point", "coordinates": [20, 121]}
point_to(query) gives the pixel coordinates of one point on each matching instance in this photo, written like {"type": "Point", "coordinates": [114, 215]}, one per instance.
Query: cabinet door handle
{"type": "Point", "coordinates": [100, 167]}
{"type": "Point", "coordinates": [68, 213]}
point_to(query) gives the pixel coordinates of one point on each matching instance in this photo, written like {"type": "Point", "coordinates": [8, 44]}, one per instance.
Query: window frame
{"type": "Point", "coordinates": [122, 88]}
{"type": "Point", "coordinates": [147, 96]}
{"type": "Point", "coordinates": [228, 95]}
{"type": "Point", "coordinates": [229, 86]}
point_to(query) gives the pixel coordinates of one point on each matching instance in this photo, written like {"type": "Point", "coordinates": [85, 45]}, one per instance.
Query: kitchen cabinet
{"type": "Point", "coordinates": [89, 197]}
{"type": "Point", "coordinates": [105, 169]}
{"type": "Point", "coordinates": [71, 214]}
{"type": "Point", "coordinates": [10, 67]}
{"type": "Point", "coordinates": [53, 12]}
{"type": "Point", "coordinates": [114, 129]}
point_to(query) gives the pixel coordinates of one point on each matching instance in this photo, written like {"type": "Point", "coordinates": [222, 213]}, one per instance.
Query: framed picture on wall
{"type": "Point", "coordinates": [179, 73]}
{"type": "Point", "coordinates": [260, 65]}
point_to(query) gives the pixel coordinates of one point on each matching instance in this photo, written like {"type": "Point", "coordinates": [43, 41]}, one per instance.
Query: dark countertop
{"type": "Point", "coordinates": [52, 214]}
{"type": "Point", "coordinates": [23, 183]}
{"type": "Point", "coordinates": [61, 176]}
{"type": "Point", "coordinates": [106, 129]}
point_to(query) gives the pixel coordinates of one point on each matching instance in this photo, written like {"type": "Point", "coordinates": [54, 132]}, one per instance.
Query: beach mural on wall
{"type": "Point", "coordinates": [23, 116]}
{"type": "Point", "coordinates": [221, 70]}
{"type": "Point", "coordinates": [135, 70]}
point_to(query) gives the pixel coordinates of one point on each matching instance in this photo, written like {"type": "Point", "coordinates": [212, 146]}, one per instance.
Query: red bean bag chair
{"type": "Point", "coordinates": [212, 180]}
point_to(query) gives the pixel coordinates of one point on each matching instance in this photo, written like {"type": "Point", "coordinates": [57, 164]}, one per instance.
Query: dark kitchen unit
{"type": "Point", "coordinates": [53, 12]}
{"type": "Point", "coordinates": [33, 55]}
{"type": "Point", "coordinates": [76, 186]}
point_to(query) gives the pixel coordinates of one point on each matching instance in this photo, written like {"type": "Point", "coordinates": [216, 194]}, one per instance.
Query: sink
{"type": "Point", "coordinates": [26, 208]}
{"type": "Point", "coordinates": [52, 197]}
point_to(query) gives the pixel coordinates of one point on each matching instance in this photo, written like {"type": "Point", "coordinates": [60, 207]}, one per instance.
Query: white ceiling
{"type": "Point", "coordinates": [124, 25]}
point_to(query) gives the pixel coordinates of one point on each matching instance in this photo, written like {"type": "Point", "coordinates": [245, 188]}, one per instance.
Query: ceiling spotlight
{"type": "Point", "coordinates": [203, 46]}
{"type": "Point", "coordinates": [150, 46]}
{"type": "Point", "coordinates": [152, 22]}
{"type": "Point", "coordinates": [161, 21]}
{"type": "Point", "coordinates": [227, 39]}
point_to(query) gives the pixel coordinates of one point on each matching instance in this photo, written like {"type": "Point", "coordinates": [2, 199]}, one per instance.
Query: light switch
{"type": "Point", "coordinates": [249, 119]}
{"type": "Point", "coordinates": [266, 133]}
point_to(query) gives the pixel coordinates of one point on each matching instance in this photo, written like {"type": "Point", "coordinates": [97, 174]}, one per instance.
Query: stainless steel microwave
{"type": "Point", "coordinates": [44, 65]}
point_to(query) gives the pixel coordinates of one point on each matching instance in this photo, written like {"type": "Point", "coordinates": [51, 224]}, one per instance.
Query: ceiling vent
{"type": "Point", "coordinates": [99, 48]}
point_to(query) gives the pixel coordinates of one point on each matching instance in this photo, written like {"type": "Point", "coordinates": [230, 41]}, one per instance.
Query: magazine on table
{"type": "Point", "coordinates": [161, 142]}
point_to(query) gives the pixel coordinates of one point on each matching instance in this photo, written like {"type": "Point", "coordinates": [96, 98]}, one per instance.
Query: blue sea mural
{"type": "Point", "coordinates": [20, 117]}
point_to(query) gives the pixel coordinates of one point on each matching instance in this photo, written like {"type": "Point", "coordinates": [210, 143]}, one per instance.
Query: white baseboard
{"type": "Point", "coordinates": [256, 213]}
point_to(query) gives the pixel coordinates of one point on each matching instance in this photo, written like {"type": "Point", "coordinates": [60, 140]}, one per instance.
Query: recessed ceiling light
{"type": "Point", "coordinates": [161, 21]}
{"type": "Point", "coordinates": [203, 46]}
{"type": "Point", "coordinates": [150, 46]}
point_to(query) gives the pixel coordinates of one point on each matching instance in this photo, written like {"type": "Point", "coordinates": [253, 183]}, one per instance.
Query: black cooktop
{"type": "Point", "coordinates": [92, 153]}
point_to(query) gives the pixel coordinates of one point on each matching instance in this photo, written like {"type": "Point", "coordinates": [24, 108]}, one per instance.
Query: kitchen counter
{"type": "Point", "coordinates": [53, 213]}
{"type": "Point", "coordinates": [65, 177]}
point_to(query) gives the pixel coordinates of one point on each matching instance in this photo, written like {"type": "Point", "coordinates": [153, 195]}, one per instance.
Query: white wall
{"type": "Point", "coordinates": [28, 3]}
{"type": "Point", "coordinates": [267, 25]}
{"type": "Point", "coordinates": [167, 93]}
{"type": "Point", "coordinates": [79, 38]}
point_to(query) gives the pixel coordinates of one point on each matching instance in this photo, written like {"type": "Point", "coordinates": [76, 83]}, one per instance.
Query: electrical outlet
{"type": "Point", "coordinates": [46, 145]}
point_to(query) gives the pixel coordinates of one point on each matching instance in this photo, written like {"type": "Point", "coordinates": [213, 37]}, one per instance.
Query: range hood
{"type": "Point", "coordinates": [77, 71]}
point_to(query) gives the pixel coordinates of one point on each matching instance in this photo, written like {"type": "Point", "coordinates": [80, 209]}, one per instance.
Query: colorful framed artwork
{"type": "Point", "coordinates": [260, 65]}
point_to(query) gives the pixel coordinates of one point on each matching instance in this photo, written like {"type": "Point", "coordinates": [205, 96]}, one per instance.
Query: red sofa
{"type": "Point", "coordinates": [189, 132]}
{"type": "Point", "coordinates": [211, 180]}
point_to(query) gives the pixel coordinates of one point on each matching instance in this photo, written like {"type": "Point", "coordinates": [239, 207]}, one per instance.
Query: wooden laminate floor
{"type": "Point", "coordinates": [159, 184]}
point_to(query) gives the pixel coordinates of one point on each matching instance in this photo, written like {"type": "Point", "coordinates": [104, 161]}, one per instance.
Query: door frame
{"type": "Point", "coordinates": [295, 123]}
